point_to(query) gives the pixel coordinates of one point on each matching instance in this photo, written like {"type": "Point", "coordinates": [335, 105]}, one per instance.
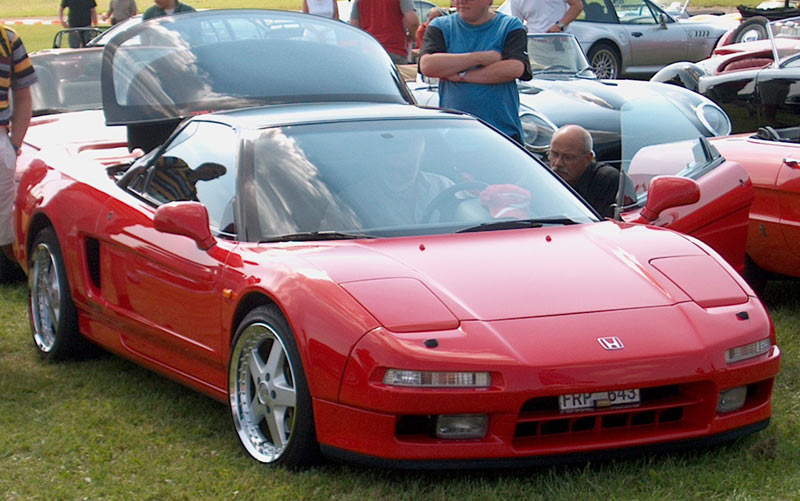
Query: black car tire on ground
{"type": "Point", "coordinates": [9, 270]}
{"type": "Point", "coordinates": [756, 25]}
{"type": "Point", "coordinates": [54, 320]}
{"type": "Point", "coordinates": [605, 61]}
{"type": "Point", "coordinates": [755, 276]}
{"type": "Point", "coordinates": [268, 392]}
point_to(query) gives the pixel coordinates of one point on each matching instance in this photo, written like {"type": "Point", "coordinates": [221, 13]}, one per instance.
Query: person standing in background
{"type": "Point", "coordinates": [120, 10]}
{"type": "Point", "coordinates": [477, 54]}
{"type": "Point", "coordinates": [432, 14]}
{"type": "Point", "coordinates": [325, 8]}
{"type": "Point", "coordinates": [392, 22]}
{"type": "Point", "coordinates": [165, 8]}
{"type": "Point", "coordinates": [15, 89]}
{"type": "Point", "coordinates": [546, 16]}
{"type": "Point", "coordinates": [82, 14]}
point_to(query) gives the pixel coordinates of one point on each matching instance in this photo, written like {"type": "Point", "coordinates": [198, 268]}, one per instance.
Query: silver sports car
{"type": "Point", "coordinates": [636, 37]}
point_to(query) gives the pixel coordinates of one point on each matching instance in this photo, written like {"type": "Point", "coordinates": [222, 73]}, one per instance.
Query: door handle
{"type": "Point", "coordinates": [636, 34]}
{"type": "Point", "coordinates": [792, 162]}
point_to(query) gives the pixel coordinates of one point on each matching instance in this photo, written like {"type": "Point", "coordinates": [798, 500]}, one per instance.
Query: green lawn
{"type": "Point", "coordinates": [107, 429]}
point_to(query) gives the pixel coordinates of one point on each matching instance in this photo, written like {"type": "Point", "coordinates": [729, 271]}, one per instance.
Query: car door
{"type": "Point", "coordinates": [164, 289]}
{"type": "Point", "coordinates": [788, 186]}
{"type": "Point", "coordinates": [779, 95]}
{"type": "Point", "coordinates": [652, 45]}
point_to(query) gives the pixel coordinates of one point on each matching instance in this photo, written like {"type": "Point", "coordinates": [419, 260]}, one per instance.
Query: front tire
{"type": "Point", "coordinates": [268, 393]}
{"type": "Point", "coordinates": [54, 320]}
{"type": "Point", "coordinates": [605, 61]}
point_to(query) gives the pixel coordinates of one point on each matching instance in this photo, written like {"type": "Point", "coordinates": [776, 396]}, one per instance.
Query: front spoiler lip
{"type": "Point", "coordinates": [543, 460]}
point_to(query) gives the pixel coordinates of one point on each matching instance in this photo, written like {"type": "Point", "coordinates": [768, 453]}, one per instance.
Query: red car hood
{"type": "Point", "coordinates": [526, 273]}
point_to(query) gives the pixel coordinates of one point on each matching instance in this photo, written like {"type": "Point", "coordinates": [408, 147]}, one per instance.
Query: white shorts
{"type": "Point", "coordinates": [8, 165]}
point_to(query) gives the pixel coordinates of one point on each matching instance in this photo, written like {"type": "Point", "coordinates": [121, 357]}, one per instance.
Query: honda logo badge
{"type": "Point", "coordinates": [611, 343]}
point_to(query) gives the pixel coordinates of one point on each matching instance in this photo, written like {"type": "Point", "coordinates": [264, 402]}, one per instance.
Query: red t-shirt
{"type": "Point", "coordinates": [383, 19]}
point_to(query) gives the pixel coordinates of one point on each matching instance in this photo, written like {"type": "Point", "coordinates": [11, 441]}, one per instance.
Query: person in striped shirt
{"type": "Point", "coordinates": [16, 77]}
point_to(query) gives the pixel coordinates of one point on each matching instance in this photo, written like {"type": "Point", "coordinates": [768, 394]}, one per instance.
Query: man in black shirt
{"type": "Point", "coordinates": [82, 13]}
{"type": "Point", "coordinates": [572, 158]}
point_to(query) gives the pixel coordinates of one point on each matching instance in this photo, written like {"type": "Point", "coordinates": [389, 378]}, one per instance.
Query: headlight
{"type": "Point", "coordinates": [732, 400]}
{"type": "Point", "coordinates": [714, 120]}
{"type": "Point", "coordinates": [747, 351]}
{"type": "Point", "coordinates": [537, 131]}
{"type": "Point", "coordinates": [427, 379]}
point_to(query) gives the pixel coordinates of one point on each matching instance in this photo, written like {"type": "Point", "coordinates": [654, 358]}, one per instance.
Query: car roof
{"type": "Point", "coordinates": [178, 66]}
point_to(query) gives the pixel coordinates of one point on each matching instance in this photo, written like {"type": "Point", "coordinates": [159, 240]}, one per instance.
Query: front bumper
{"type": "Point", "coordinates": [680, 390]}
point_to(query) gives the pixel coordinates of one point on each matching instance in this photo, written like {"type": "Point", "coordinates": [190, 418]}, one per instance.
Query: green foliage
{"type": "Point", "coordinates": [108, 429]}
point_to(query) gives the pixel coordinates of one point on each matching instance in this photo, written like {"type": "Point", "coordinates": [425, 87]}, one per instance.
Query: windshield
{"type": "Point", "coordinates": [67, 81]}
{"type": "Point", "coordinates": [657, 139]}
{"type": "Point", "coordinates": [556, 53]}
{"type": "Point", "coordinates": [784, 34]}
{"type": "Point", "coordinates": [397, 177]}
{"type": "Point", "coordinates": [177, 66]}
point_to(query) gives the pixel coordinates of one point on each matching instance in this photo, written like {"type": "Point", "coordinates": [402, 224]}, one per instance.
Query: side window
{"type": "Point", "coordinates": [199, 165]}
{"type": "Point", "coordinates": [635, 12]}
{"type": "Point", "coordinates": [597, 11]}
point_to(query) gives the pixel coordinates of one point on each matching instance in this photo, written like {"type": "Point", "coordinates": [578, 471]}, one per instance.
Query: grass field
{"type": "Point", "coordinates": [107, 429]}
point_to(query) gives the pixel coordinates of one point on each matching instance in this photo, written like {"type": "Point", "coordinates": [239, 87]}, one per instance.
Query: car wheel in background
{"type": "Point", "coordinates": [54, 321]}
{"type": "Point", "coordinates": [754, 28]}
{"type": "Point", "coordinates": [604, 60]}
{"type": "Point", "coordinates": [268, 393]}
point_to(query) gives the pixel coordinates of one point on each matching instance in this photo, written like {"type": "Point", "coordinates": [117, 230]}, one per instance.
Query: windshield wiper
{"type": "Point", "coordinates": [517, 223]}
{"type": "Point", "coordinates": [315, 235]}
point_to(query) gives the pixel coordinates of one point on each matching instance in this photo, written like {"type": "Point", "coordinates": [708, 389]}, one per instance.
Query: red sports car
{"type": "Point", "coordinates": [370, 280]}
{"type": "Point", "coordinates": [772, 158]}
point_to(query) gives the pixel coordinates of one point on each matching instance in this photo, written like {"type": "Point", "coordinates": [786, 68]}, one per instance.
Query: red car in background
{"type": "Point", "coordinates": [718, 214]}
{"type": "Point", "coordinates": [772, 159]}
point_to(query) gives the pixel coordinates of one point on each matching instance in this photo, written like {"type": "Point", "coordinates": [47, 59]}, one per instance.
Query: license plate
{"type": "Point", "coordinates": [598, 400]}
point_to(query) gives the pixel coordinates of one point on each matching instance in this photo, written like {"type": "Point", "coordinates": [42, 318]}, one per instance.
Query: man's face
{"type": "Point", "coordinates": [472, 11]}
{"type": "Point", "coordinates": [568, 158]}
{"type": "Point", "coordinates": [165, 4]}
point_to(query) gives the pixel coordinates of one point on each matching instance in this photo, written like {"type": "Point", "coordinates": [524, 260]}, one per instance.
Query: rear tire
{"type": "Point", "coordinates": [755, 276]}
{"type": "Point", "coordinates": [754, 28]}
{"type": "Point", "coordinates": [54, 320]}
{"type": "Point", "coordinates": [605, 61]}
{"type": "Point", "coordinates": [268, 393]}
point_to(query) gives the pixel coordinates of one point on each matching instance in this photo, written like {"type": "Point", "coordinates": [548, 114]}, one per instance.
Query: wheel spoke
{"type": "Point", "coordinates": [275, 424]}
{"type": "Point", "coordinates": [285, 395]}
{"type": "Point", "coordinates": [258, 411]}
{"type": "Point", "coordinates": [255, 366]}
{"type": "Point", "coordinates": [275, 360]}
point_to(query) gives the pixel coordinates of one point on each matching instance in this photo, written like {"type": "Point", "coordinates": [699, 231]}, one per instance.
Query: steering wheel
{"type": "Point", "coordinates": [446, 201]}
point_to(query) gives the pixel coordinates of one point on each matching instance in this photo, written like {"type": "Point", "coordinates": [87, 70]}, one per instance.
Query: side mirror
{"type": "Point", "coordinates": [189, 219]}
{"type": "Point", "coordinates": [662, 20]}
{"type": "Point", "coordinates": [666, 192]}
